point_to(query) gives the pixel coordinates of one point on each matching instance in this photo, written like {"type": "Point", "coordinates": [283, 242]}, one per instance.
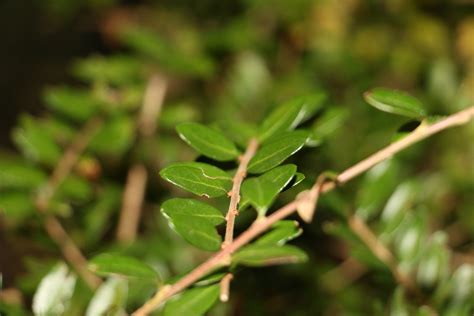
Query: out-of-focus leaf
{"type": "Point", "coordinates": [378, 183]}
{"type": "Point", "coordinates": [282, 232]}
{"type": "Point", "coordinates": [193, 302]}
{"type": "Point", "coordinates": [198, 178]}
{"type": "Point", "coordinates": [72, 103]}
{"type": "Point", "coordinates": [262, 190]}
{"type": "Point", "coordinates": [263, 255]}
{"type": "Point", "coordinates": [395, 102]}
{"type": "Point", "coordinates": [20, 175]}
{"type": "Point", "coordinates": [75, 188]}
{"type": "Point", "coordinates": [208, 141]}
{"type": "Point", "coordinates": [195, 221]}
{"type": "Point", "coordinates": [329, 122]}
{"type": "Point", "coordinates": [463, 284]}
{"type": "Point", "coordinates": [434, 265]}
{"type": "Point", "coordinates": [109, 299]}
{"type": "Point", "coordinates": [35, 142]}
{"type": "Point", "coordinates": [163, 52]}
{"type": "Point", "coordinates": [288, 115]}
{"type": "Point", "coordinates": [119, 69]}
{"type": "Point", "coordinates": [16, 206]}
{"type": "Point", "coordinates": [115, 137]}
{"type": "Point", "coordinates": [115, 264]}
{"type": "Point", "coordinates": [97, 215]}
{"type": "Point", "coordinates": [210, 279]}
{"type": "Point", "coordinates": [277, 150]}
{"type": "Point", "coordinates": [398, 304]}
{"type": "Point", "coordinates": [174, 114]}
{"type": "Point", "coordinates": [299, 177]}
{"type": "Point", "coordinates": [399, 203]}
{"type": "Point", "coordinates": [240, 132]}
{"type": "Point", "coordinates": [54, 292]}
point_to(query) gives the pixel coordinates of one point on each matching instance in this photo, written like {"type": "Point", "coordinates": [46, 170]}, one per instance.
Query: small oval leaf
{"type": "Point", "coordinates": [208, 141]}
{"type": "Point", "coordinates": [192, 209]}
{"type": "Point", "coordinates": [277, 150]}
{"type": "Point", "coordinates": [282, 232]}
{"type": "Point", "coordinates": [193, 302]}
{"type": "Point", "coordinates": [198, 178]}
{"type": "Point", "coordinates": [115, 264]}
{"type": "Point", "coordinates": [109, 299]}
{"type": "Point", "coordinates": [395, 102]}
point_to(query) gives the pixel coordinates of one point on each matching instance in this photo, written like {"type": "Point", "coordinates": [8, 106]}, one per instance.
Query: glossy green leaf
{"type": "Point", "coordinates": [193, 302]}
{"type": "Point", "coordinates": [109, 299]}
{"type": "Point", "coordinates": [198, 178]}
{"type": "Point", "coordinates": [195, 221]}
{"type": "Point", "coordinates": [288, 115]}
{"type": "Point", "coordinates": [35, 142]}
{"type": "Point", "coordinates": [395, 102]}
{"type": "Point", "coordinates": [75, 104]}
{"type": "Point", "coordinates": [238, 131]}
{"type": "Point", "coordinates": [299, 177]}
{"type": "Point", "coordinates": [20, 175]}
{"type": "Point", "coordinates": [261, 191]}
{"type": "Point", "coordinates": [208, 141]}
{"type": "Point", "coordinates": [282, 232]}
{"type": "Point", "coordinates": [115, 137]}
{"type": "Point", "coordinates": [277, 150]}
{"type": "Point", "coordinates": [116, 264]}
{"type": "Point", "coordinates": [263, 255]}
{"type": "Point", "coordinates": [54, 292]}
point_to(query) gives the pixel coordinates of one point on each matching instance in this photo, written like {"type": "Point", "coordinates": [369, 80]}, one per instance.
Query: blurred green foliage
{"type": "Point", "coordinates": [232, 64]}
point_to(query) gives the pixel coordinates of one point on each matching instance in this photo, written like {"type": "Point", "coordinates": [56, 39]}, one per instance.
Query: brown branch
{"type": "Point", "coordinates": [225, 287]}
{"type": "Point", "coordinates": [53, 227]}
{"type": "Point", "coordinates": [239, 176]}
{"type": "Point", "coordinates": [262, 225]}
{"type": "Point", "coordinates": [135, 186]}
{"type": "Point", "coordinates": [344, 274]}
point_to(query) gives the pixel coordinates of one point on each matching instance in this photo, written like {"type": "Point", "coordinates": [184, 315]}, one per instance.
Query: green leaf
{"type": "Point", "coordinates": [115, 264]}
{"type": "Point", "coordinates": [54, 292]}
{"type": "Point", "coordinates": [208, 141]}
{"type": "Point", "coordinates": [72, 103]}
{"type": "Point", "coordinates": [198, 178]}
{"type": "Point", "coordinates": [194, 302]}
{"type": "Point", "coordinates": [109, 299]}
{"type": "Point", "coordinates": [288, 115]}
{"type": "Point", "coordinates": [35, 142]}
{"type": "Point", "coordinates": [299, 177]}
{"type": "Point", "coordinates": [195, 221]}
{"type": "Point", "coordinates": [257, 255]}
{"type": "Point", "coordinates": [75, 188]}
{"type": "Point", "coordinates": [115, 137]}
{"type": "Point", "coordinates": [238, 131]}
{"type": "Point", "coordinates": [395, 102]}
{"type": "Point", "coordinates": [16, 206]}
{"type": "Point", "coordinates": [277, 150]}
{"type": "Point", "coordinates": [329, 122]}
{"type": "Point", "coordinates": [261, 191]}
{"type": "Point", "coordinates": [282, 232]}
{"type": "Point", "coordinates": [117, 70]}
{"type": "Point", "coordinates": [20, 175]}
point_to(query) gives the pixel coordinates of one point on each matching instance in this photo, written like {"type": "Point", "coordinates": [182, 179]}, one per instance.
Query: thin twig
{"type": "Point", "coordinates": [135, 186]}
{"type": "Point", "coordinates": [225, 287]}
{"type": "Point", "coordinates": [264, 224]}
{"type": "Point", "coordinates": [53, 227]}
{"type": "Point", "coordinates": [344, 274]}
{"type": "Point", "coordinates": [234, 194]}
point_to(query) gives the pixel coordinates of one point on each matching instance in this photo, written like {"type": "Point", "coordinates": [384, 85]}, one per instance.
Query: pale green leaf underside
{"type": "Point", "coordinates": [199, 178]}
{"type": "Point", "coordinates": [277, 150]}
{"type": "Point", "coordinates": [194, 302]}
{"type": "Point", "coordinates": [208, 141]}
{"type": "Point", "coordinates": [395, 102]}
{"type": "Point", "coordinates": [263, 255]}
